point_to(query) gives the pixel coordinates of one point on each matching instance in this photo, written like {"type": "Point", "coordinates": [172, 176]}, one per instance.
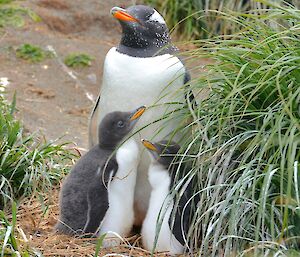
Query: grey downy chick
{"type": "Point", "coordinates": [84, 198]}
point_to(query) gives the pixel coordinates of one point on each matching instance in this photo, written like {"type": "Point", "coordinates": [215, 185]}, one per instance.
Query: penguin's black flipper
{"type": "Point", "coordinates": [110, 169]}
{"type": "Point", "coordinates": [189, 95]}
{"type": "Point", "coordinates": [180, 223]}
{"type": "Point", "coordinates": [91, 118]}
{"type": "Point", "coordinates": [96, 106]}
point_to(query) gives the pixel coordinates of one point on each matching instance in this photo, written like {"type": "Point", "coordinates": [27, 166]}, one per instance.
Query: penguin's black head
{"type": "Point", "coordinates": [116, 125]}
{"type": "Point", "coordinates": [164, 152]}
{"type": "Point", "coordinates": [144, 31]}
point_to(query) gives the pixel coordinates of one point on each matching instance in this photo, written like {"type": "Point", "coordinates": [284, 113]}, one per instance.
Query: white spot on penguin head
{"type": "Point", "coordinates": [157, 17]}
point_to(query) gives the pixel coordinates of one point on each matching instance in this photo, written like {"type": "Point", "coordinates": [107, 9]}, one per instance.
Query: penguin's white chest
{"type": "Point", "coordinates": [129, 82]}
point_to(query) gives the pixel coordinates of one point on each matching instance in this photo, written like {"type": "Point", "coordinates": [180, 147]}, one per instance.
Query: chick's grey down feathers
{"type": "Point", "coordinates": [83, 196]}
{"type": "Point", "coordinates": [81, 207]}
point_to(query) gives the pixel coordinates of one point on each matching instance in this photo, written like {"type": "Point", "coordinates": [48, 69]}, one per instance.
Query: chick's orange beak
{"type": "Point", "coordinates": [122, 15]}
{"type": "Point", "coordinates": [149, 145]}
{"type": "Point", "coordinates": [138, 113]}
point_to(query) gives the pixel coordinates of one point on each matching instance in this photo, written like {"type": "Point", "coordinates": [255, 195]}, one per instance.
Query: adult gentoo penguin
{"type": "Point", "coordinates": [142, 69]}
{"type": "Point", "coordinates": [99, 190]}
{"type": "Point", "coordinates": [172, 232]}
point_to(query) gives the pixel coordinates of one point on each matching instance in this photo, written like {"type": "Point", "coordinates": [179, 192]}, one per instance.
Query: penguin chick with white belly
{"type": "Point", "coordinates": [142, 69]}
{"type": "Point", "coordinates": [172, 231]}
{"type": "Point", "coordinates": [85, 201]}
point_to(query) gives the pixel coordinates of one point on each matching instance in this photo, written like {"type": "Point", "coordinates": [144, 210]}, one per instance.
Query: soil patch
{"type": "Point", "coordinates": [51, 97]}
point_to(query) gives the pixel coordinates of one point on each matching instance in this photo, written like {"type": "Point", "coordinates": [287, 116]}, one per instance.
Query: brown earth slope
{"type": "Point", "coordinates": [48, 98]}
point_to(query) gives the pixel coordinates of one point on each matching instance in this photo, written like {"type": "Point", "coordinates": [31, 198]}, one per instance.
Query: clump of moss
{"type": "Point", "coordinates": [78, 60]}
{"type": "Point", "coordinates": [32, 53]}
{"type": "Point", "coordinates": [13, 15]}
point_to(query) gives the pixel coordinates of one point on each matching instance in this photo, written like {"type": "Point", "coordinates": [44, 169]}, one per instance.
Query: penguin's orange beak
{"type": "Point", "coordinates": [138, 113]}
{"type": "Point", "coordinates": [149, 145]}
{"type": "Point", "coordinates": [122, 15]}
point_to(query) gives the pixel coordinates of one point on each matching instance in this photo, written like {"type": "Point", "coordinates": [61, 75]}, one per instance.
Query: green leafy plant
{"type": "Point", "coordinates": [245, 140]}
{"type": "Point", "coordinates": [32, 53]}
{"type": "Point", "coordinates": [78, 60]}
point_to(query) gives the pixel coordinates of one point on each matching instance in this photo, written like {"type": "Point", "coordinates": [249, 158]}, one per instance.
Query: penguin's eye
{"type": "Point", "coordinates": [120, 124]}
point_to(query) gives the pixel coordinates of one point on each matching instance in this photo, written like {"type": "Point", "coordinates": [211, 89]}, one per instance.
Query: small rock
{"type": "Point", "coordinates": [92, 78]}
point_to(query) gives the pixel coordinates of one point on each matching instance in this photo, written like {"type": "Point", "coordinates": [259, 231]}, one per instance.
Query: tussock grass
{"type": "Point", "coordinates": [8, 241]}
{"type": "Point", "coordinates": [205, 18]}
{"type": "Point", "coordinates": [9, 237]}
{"type": "Point", "coordinates": [28, 163]}
{"type": "Point", "coordinates": [245, 140]}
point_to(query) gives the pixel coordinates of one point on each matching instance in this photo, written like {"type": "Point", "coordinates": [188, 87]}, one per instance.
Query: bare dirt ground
{"type": "Point", "coordinates": [48, 98]}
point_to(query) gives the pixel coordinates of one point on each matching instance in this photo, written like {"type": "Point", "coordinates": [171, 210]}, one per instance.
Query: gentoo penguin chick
{"type": "Point", "coordinates": [142, 69]}
{"type": "Point", "coordinates": [85, 200]}
{"type": "Point", "coordinates": [161, 177]}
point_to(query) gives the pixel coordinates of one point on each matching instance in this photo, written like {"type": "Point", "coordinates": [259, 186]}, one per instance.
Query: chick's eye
{"type": "Point", "coordinates": [120, 124]}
